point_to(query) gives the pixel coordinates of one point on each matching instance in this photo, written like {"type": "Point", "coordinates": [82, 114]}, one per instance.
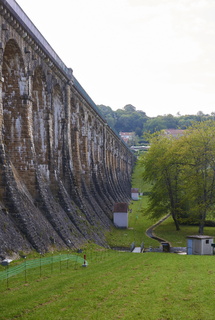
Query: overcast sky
{"type": "Point", "coordinates": [158, 55]}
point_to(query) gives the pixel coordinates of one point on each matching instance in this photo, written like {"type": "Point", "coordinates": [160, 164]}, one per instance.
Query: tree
{"type": "Point", "coordinates": [182, 173]}
{"type": "Point", "coordinates": [154, 124]}
{"type": "Point", "coordinates": [170, 121]}
{"type": "Point", "coordinates": [138, 131]}
{"type": "Point", "coordinates": [162, 170]}
{"type": "Point", "coordinates": [108, 115]}
{"type": "Point", "coordinates": [200, 115]}
{"type": "Point", "coordinates": [129, 108]}
{"type": "Point", "coordinates": [197, 155]}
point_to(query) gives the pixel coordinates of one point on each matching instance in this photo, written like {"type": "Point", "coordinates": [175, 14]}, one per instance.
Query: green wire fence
{"type": "Point", "coordinates": [38, 263]}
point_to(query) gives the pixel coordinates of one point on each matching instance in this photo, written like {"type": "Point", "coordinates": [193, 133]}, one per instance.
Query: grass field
{"type": "Point", "coordinates": [178, 238]}
{"type": "Point", "coordinates": [117, 285]}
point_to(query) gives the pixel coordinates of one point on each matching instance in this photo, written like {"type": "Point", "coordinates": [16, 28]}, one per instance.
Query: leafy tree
{"type": "Point", "coordinates": [162, 170]}
{"type": "Point", "coordinates": [138, 131]}
{"type": "Point", "coordinates": [182, 173]}
{"type": "Point", "coordinates": [108, 114]}
{"type": "Point", "coordinates": [129, 108]}
{"type": "Point", "coordinates": [123, 123]}
{"type": "Point", "coordinates": [155, 124]}
{"type": "Point", "coordinates": [197, 155]}
{"type": "Point", "coordinates": [200, 116]}
{"type": "Point", "coordinates": [185, 122]}
{"type": "Point", "coordinates": [131, 120]}
{"type": "Point", "coordinates": [170, 121]}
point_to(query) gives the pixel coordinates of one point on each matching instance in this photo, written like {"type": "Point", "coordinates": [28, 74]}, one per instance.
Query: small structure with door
{"type": "Point", "coordinates": [199, 245]}
{"type": "Point", "coordinates": [135, 194]}
{"type": "Point", "coordinates": [120, 215]}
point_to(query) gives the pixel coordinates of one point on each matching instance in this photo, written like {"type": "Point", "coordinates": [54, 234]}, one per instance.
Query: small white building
{"type": "Point", "coordinates": [120, 215]}
{"type": "Point", "coordinates": [135, 194]}
{"type": "Point", "coordinates": [200, 245]}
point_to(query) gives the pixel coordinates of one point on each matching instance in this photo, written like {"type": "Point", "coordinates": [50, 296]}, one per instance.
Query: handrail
{"type": "Point", "coordinates": [132, 246]}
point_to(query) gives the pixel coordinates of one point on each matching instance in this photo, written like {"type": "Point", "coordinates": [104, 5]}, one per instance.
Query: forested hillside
{"type": "Point", "coordinates": [129, 119]}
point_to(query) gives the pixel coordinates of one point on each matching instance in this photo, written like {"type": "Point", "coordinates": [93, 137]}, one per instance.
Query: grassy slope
{"type": "Point", "coordinates": [138, 222]}
{"type": "Point", "coordinates": [116, 285]}
{"type": "Point", "coordinates": [178, 238]}
{"type": "Point", "coordinates": [167, 229]}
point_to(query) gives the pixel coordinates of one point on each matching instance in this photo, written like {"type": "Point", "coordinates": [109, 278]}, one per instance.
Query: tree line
{"type": "Point", "coordinates": [181, 172]}
{"type": "Point", "coordinates": [129, 119]}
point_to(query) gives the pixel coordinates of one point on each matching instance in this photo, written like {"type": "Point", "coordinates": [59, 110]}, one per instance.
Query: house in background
{"type": "Point", "coordinates": [128, 137]}
{"type": "Point", "coordinates": [174, 132]}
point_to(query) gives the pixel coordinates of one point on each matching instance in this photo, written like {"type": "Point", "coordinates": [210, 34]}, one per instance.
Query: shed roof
{"type": "Point", "coordinates": [134, 190]}
{"type": "Point", "coordinates": [200, 237]}
{"type": "Point", "coordinates": [120, 207]}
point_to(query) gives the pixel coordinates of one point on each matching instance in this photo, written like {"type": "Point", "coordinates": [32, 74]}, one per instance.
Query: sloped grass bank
{"type": "Point", "coordinates": [138, 223]}
{"type": "Point", "coordinates": [178, 238]}
{"type": "Point", "coordinates": [116, 285]}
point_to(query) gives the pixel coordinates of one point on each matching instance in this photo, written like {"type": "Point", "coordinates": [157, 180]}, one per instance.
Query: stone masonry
{"type": "Point", "coordinates": [61, 166]}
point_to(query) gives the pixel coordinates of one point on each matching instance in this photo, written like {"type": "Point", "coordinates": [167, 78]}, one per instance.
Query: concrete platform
{"type": "Point", "coordinates": [137, 250]}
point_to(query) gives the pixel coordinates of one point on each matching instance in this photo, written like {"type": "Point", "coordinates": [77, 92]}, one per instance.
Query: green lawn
{"type": "Point", "coordinates": [115, 285]}
{"type": "Point", "coordinates": [138, 224]}
{"type": "Point", "coordinates": [178, 238]}
{"type": "Point", "coordinates": [118, 285]}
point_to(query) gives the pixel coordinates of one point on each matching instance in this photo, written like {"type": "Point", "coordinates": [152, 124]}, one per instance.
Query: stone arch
{"type": "Point", "coordinates": [74, 110]}
{"type": "Point", "coordinates": [99, 142]}
{"type": "Point", "coordinates": [108, 152]}
{"type": "Point", "coordinates": [90, 140]}
{"type": "Point", "coordinates": [74, 126]}
{"type": "Point", "coordinates": [40, 119]}
{"type": "Point", "coordinates": [83, 140]}
{"type": "Point", "coordinates": [89, 128]}
{"type": "Point", "coordinates": [58, 125]}
{"type": "Point", "coordinates": [82, 124]}
{"type": "Point", "coordinates": [15, 117]}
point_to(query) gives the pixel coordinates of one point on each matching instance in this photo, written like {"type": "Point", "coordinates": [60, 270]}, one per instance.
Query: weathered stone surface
{"type": "Point", "coordinates": [61, 166]}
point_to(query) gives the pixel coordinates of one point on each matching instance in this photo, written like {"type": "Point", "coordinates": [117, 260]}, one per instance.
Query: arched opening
{"type": "Point", "coordinates": [15, 122]}
{"type": "Point", "coordinates": [83, 140]}
{"type": "Point", "coordinates": [58, 126]}
{"type": "Point", "coordinates": [41, 120]}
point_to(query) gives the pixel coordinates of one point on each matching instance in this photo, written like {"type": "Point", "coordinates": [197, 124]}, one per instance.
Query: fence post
{"type": "Point", "coordinates": [52, 263]}
{"type": "Point", "coordinates": [76, 262]}
{"type": "Point", "coordinates": [84, 265]}
{"type": "Point", "coordinates": [40, 266]}
{"type": "Point", "coordinates": [7, 268]}
{"type": "Point", "coordinates": [25, 272]}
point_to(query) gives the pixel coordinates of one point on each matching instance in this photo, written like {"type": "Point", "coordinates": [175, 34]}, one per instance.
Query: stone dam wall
{"type": "Point", "coordinates": [61, 166]}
